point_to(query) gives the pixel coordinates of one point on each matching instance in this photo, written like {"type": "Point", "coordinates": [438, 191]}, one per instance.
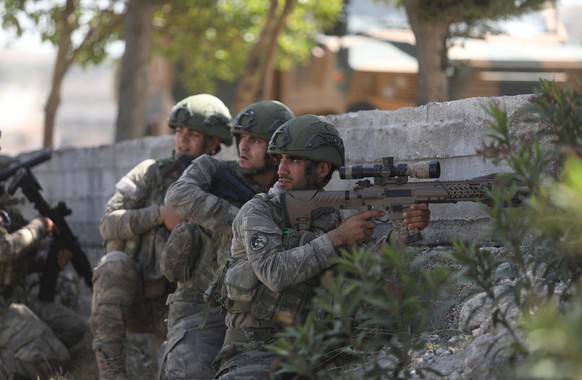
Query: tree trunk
{"type": "Point", "coordinates": [62, 63]}
{"type": "Point", "coordinates": [131, 121]}
{"type": "Point", "coordinates": [432, 54]}
{"type": "Point", "coordinates": [271, 53]}
{"type": "Point", "coordinates": [261, 57]}
{"type": "Point", "coordinates": [159, 95]}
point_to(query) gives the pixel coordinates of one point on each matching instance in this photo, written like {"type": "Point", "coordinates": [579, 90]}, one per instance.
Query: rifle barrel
{"type": "Point", "coordinates": [35, 159]}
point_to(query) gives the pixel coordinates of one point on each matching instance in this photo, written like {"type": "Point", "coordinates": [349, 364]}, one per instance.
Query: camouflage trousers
{"type": "Point", "coordinates": [119, 303]}
{"type": "Point", "coordinates": [34, 339]}
{"type": "Point", "coordinates": [190, 348]}
{"type": "Point", "coordinates": [245, 360]}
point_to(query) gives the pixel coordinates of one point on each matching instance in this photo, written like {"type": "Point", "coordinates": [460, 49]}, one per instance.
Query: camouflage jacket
{"type": "Point", "coordinates": [209, 200]}
{"type": "Point", "coordinates": [17, 252]}
{"type": "Point", "coordinates": [132, 222]}
{"type": "Point", "coordinates": [267, 274]}
{"type": "Point", "coordinates": [197, 197]}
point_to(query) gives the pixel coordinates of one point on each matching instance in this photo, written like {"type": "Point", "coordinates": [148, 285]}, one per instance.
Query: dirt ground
{"type": "Point", "coordinates": [141, 359]}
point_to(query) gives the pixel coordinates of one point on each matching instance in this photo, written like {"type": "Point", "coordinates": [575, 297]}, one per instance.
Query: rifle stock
{"type": "Point", "coordinates": [393, 197]}
{"type": "Point", "coordinates": [63, 239]}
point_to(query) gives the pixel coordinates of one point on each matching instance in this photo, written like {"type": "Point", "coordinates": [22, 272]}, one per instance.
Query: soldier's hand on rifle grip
{"type": "Point", "coordinates": [414, 219]}
{"type": "Point", "coordinates": [418, 216]}
{"type": "Point", "coordinates": [355, 229]}
{"type": "Point", "coordinates": [48, 224]}
{"type": "Point", "coordinates": [170, 217]}
{"type": "Point", "coordinates": [63, 258]}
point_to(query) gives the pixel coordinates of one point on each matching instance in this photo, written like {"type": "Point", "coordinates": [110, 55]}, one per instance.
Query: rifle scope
{"type": "Point", "coordinates": [422, 170]}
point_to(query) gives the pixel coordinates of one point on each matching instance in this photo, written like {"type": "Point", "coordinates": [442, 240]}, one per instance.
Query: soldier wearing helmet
{"type": "Point", "coordinates": [258, 121]}
{"type": "Point", "coordinates": [209, 195]}
{"type": "Point", "coordinates": [129, 291]}
{"type": "Point", "coordinates": [274, 269]}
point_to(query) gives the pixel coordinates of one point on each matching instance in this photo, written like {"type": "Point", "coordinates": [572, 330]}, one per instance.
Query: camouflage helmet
{"type": "Point", "coordinates": [261, 119]}
{"type": "Point", "coordinates": [308, 137]}
{"type": "Point", "coordinates": [203, 113]}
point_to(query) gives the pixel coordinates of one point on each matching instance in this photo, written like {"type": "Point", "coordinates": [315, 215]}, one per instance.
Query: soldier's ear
{"type": "Point", "coordinates": [323, 169]}
{"type": "Point", "coordinates": [213, 145]}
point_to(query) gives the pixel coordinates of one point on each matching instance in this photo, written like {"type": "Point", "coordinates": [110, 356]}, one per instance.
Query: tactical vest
{"type": "Point", "coordinates": [229, 185]}
{"type": "Point", "coordinates": [246, 294]}
{"type": "Point", "coordinates": [206, 264]}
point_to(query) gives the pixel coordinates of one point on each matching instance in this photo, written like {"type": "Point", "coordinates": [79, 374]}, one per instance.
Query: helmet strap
{"type": "Point", "coordinates": [308, 173]}
{"type": "Point", "coordinates": [204, 142]}
{"type": "Point", "coordinates": [311, 180]}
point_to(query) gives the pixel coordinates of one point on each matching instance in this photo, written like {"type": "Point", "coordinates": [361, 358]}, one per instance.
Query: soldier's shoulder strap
{"type": "Point", "coordinates": [273, 202]}
{"type": "Point", "coordinates": [228, 185]}
{"type": "Point", "coordinates": [166, 166]}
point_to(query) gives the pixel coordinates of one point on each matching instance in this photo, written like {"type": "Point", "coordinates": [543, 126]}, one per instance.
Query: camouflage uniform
{"type": "Point", "coordinates": [273, 269]}
{"type": "Point", "coordinates": [209, 195]}
{"type": "Point", "coordinates": [260, 243]}
{"type": "Point", "coordinates": [129, 291]}
{"type": "Point", "coordinates": [34, 335]}
{"type": "Point", "coordinates": [192, 257]}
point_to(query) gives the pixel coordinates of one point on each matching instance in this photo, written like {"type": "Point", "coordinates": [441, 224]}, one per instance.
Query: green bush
{"type": "Point", "coordinates": [370, 311]}
{"type": "Point", "coordinates": [542, 270]}
{"type": "Point", "coordinates": [374, 309]}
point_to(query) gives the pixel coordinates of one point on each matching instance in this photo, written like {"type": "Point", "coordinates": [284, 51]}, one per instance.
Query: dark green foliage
{"type": "Point", "coordinates": [210, 42]}
{"type": "Point", "coordinates": [374, 309]}
{"type": "Point", "coordinates": [370, 311]}
{"type": "Point", "coordinates": [92, 27]}
{"type": "Point", "coordinates": [471, 11]}
{"type": "Point", "coordinates": [542, 269]}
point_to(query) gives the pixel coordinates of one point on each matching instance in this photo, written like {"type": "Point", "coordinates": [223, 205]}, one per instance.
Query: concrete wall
{"type": "Point", "coordinates": [450, 132]}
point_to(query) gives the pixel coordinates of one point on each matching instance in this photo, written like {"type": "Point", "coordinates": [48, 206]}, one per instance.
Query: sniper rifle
{"type": "Point", "coordinates": [391, 193]}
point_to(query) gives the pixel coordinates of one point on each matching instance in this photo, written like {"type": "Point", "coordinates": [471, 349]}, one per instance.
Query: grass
{"type": "Point", "coordinates": [141, 359]}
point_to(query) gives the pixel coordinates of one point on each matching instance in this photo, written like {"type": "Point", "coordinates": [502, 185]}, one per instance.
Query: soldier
{"type": "Point", "coordinates": [129, 291]}
{"type": "Point", "coordinates": [35, 336]}
{"type": "Point", "coordinates": [209, 195]}
{"type": "Point", "coordinates": [274, 268]}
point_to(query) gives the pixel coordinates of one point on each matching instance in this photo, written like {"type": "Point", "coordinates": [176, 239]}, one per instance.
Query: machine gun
{"type": "Point", "coordinates": [22, 177]}
{"type": "Point", "coordinates": [391, 193]}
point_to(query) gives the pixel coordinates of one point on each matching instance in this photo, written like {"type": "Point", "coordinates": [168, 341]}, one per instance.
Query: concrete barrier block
{"type": "Point", "coordinates": [450, 132]}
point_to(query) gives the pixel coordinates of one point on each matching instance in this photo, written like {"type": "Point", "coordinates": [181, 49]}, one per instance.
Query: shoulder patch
{"type": "Point", "coordinates": [258, 241]}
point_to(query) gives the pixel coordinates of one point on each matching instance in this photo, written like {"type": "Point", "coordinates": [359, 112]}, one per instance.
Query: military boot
{"type": "Point", "coordinates": [111, 361]}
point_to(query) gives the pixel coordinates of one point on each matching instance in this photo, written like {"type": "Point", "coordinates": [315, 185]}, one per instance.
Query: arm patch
{"type": "Point", "coordinates": [258, 241]}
